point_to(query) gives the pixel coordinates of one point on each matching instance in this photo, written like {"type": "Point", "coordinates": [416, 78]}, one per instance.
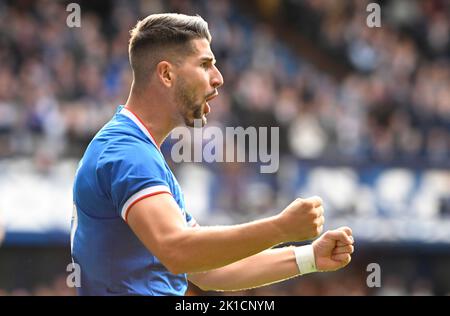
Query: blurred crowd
{"type": "Point", "coordinates": [327, 284]}
{"type": "Point", "coordinates": [58, 85]}
{"type": "Point", "coordinates": [395, 103]}
{"type": "Point", "coordinates": [54, 287]}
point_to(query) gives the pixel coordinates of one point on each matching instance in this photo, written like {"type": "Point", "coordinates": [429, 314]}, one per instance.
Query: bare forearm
{"type": "Point", "coordinates": [186, 250]}
{"type": "Point", "coordinates": [264, 268]}
{"type": "Point", "coordinates": [206, 248]}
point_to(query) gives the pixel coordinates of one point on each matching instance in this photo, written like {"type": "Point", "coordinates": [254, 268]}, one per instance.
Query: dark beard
{"type": "Point", "coordinates": [188, 108]}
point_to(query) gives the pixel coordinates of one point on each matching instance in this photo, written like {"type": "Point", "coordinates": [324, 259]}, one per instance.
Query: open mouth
{"type": "Point", "coordinates": [207, 108]}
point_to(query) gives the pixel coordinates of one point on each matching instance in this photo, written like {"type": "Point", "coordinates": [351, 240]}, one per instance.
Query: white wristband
{"type": "Point", "coordinates": [306, 261]}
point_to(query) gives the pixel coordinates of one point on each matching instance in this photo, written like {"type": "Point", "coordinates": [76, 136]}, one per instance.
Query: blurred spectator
{"type": "Point", "coordinates": [2, 229]}
{"type": "Point", "coordinates": [394, 106]}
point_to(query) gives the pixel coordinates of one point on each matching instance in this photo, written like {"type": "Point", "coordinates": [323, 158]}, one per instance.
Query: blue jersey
{"type": "Point", "coordinates": [121, 166]}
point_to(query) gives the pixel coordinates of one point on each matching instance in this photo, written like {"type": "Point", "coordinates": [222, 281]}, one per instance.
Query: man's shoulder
{"type": "Point", "coordinates": [121, 133]}
{"type": "Point", "coordinates": [129, 150]}
{"type": "Point", "coordinates": [126, 149]}
{"type": "Point", "coordinates": [118, 127]}
{"type": "Point", "coordinates": [120, 142]}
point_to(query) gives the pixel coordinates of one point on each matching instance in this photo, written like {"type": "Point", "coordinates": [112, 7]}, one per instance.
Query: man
{"type": "Point", "coordinates": [131, 234]}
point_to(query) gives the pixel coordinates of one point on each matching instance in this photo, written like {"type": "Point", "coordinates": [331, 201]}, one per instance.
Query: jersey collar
{"type": "Point", "coordinates": [128, 113]}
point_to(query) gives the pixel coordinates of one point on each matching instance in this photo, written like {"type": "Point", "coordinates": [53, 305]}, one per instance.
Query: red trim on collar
{"type": "Point", "coordinates": [139, 119]}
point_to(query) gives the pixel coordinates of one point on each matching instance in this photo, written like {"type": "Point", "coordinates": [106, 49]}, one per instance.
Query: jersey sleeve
{"type": "Point", "coordinates": [133, 173]}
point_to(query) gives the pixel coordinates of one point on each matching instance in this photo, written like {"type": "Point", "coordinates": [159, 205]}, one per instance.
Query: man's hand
{"type": "Point", "coordinates": [333, 249]}
{"type": "Point", "coordinates": [302, 219]}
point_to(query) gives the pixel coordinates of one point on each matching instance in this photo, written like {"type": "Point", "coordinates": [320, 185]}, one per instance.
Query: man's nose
{"type": "Point", "coordinates": [216, 79]}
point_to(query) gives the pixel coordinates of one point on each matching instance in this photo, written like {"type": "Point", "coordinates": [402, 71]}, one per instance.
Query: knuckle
{"type": "Point", "coordinates": [307, 204]}
{"type": "Point", "coordinates": [311, 216]}
{"type": "Point", "coordinates": [318, 230]}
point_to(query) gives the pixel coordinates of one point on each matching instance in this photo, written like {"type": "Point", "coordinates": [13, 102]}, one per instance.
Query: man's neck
{"type": "Point", "coordinates": [153, 116]}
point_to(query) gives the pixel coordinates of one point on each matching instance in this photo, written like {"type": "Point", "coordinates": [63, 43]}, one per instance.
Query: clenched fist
{"type": "Point", "coordinates": [333, 249]}
{"type": "Point", "coordinates": [302, 219]}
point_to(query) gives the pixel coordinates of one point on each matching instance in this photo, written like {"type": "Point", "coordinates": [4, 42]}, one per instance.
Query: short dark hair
{"type": "Point", "coordinates": [164, 36]}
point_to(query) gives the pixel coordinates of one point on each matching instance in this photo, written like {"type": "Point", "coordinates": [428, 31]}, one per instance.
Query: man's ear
{"type": "Point", "coordinates": [165, 74]}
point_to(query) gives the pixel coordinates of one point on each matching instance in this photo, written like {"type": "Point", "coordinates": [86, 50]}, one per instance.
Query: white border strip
{"type": "Point", "coordinates": [192, 222]}
{"type": "Point", "coordinates": [140, 194]}
{"type": "Point", "coordinates": [133, 117]}
{"type": "Point", "coordinates": [74, 227]}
